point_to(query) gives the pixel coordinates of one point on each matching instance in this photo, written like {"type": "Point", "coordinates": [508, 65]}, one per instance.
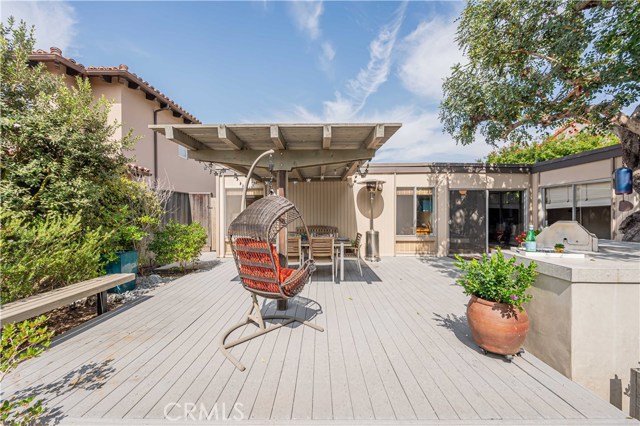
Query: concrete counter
{"type": "Point", "coordinates": [585, 317]}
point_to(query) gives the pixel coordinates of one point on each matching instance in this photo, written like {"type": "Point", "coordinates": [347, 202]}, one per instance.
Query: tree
{"type": "Point", "coordinates": [57, 145]}
{"type": "Point", "coordinates": [550, 148]}
{"type": "Point", "coordinates": [534, 65]}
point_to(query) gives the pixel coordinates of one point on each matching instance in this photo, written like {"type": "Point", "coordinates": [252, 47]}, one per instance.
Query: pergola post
{"type": "Point", "coordinates": [281, 183]}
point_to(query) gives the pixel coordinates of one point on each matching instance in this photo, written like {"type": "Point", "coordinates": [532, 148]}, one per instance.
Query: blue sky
{"type": "Point", "coordinates": [241, 62]}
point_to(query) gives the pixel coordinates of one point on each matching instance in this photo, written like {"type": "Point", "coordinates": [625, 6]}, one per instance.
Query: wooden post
{"type": "Point", "coordinates": [282, 236]}
{"type": "Point", "coordinates": [101, 303]}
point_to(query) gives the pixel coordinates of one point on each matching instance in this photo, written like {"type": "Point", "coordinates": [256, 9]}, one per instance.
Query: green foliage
{"type": "Point", "coordinates": [45, 254]}
{"type": "Point", "coordinates": [66, 201]}
{"type": "Point", "coordinates": [497, 279]}
{"type": "Point", "coordinates": [133, 211]}
{"type": "Point", "coordinates": [179, 243]}
{"type": "Point", "coordinates": [58, 149]}
{"type": "Point", "coordinates": [20, 342]}
{"type": "Point", "coordinates": [534, 64]}
{"type": "Point", "coordinates": [551, 148]}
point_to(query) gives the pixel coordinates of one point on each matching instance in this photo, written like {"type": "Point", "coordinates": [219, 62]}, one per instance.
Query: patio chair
{"type": "Point", "coordinates": [294, 249]}
{"type": "Point", "coordinates": [322, 253]}
{"type": "Point", "coordinates": [253, 235]}
{"type": "Point", "coordinates": [352, 252]}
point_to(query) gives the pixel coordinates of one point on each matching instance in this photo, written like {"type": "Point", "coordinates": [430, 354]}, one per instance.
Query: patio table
{"type": "Point", "coordinates": [338, 243]}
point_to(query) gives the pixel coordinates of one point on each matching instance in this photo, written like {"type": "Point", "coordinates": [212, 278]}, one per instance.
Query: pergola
{"type": "Point", "coordinates": [302, 151]}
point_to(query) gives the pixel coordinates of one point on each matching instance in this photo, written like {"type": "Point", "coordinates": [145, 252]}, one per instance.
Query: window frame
{"type": "Point", "coordinates": [574, 201]}
{"type": "Point", "coordinates": [414, 236]}
{"type": "Point", "coordinates": [186, 152]}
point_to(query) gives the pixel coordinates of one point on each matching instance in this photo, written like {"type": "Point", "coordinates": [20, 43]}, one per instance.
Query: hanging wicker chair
{"type": "Point", "coordinates": [253, 235]}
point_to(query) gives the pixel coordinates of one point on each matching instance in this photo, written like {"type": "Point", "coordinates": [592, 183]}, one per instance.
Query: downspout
{"type": "Point", "coordinates": [155, 145]}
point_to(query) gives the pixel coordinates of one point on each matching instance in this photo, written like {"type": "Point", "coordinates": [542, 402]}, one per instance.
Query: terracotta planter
{"type": "Point", "coordinates": [497, 327]}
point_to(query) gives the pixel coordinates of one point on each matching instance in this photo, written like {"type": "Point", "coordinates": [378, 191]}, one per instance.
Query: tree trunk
{"type": "Point", "coordinates": [630, 226]}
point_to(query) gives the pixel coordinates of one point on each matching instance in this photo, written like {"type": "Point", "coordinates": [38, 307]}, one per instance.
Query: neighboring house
{"type": "Point", "coordinates": [135, 105]}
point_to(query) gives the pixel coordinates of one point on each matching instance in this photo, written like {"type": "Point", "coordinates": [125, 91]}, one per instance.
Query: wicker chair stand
{"type": "Point", "coordinates": [253, 236]}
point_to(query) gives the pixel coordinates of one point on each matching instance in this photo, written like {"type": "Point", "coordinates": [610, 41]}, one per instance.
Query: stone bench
{"type": "Point", "coordinates": [38, 304]}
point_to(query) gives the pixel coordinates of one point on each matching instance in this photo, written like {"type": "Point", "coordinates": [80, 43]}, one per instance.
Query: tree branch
{"type": "Point", "coordinates": [590, 4]}
{"type": "Point", "coordinates": [630, 123]}
{"type": "Point", "coordinates": [534, 54]}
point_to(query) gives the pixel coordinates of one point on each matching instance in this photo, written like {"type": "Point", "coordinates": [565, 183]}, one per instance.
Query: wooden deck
{"type": "Point", "coordinates": [396, 350]}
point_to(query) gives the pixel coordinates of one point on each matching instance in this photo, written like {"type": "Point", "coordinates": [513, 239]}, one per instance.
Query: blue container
{"type": "Point", "coordinates": [127, 262]}
{"type": "Point", "coordinates": [623, 180]}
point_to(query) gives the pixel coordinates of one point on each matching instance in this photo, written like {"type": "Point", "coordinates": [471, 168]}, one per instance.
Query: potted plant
{"type": "Point", "coordinates": [124, 255]}
{"type": "Point", "coordinates": [498, 289]}
{"type": "Point", "coordinates": [559, 248]}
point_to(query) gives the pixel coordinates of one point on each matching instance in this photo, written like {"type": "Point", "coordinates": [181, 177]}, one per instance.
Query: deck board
{"type": "Point", "coordinates": [396, 350]}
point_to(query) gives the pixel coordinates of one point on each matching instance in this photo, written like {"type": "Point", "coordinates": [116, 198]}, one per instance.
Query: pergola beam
{"type": "Point", "coordinates": [285, 160]}
{"type": "Point", "coordinates": [229, 138]}
{"type": "Point", "coordinates": [374, 138]}
{"type": "Point", "coordinates": [326, 137]}
{"type": "Point", "coordinates": [277, 138]}
{"type": "Point", "coordinates": [323, 170]}
{"type": "Point", "coordinates": [349, 170]}
{"type": "Point", "coordinates": [181, 138]}
{"type": "Point", "coordinates": [298, 174]}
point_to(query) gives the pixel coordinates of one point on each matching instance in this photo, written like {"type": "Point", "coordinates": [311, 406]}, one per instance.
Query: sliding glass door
{"type": "Point", "coordinates": [467, 221]}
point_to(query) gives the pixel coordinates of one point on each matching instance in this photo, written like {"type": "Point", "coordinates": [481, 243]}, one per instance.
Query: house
{"type": "Point", "coordinates": [136, 104]}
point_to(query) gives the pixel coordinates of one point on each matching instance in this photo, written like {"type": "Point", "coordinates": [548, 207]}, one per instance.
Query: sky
{"type": "Point", "coordinates": [280, 62]}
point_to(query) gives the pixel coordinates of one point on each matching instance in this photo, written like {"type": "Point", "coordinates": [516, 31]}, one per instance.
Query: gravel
{"type": "Point", "coordinates": [143, 286]}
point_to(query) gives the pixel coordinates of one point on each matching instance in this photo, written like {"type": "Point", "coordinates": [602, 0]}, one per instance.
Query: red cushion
{"type": "Point", "coordinates": [241, 246]}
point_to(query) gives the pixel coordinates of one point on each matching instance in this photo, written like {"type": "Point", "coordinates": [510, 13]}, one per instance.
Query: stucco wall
{"type": "Point", "coordinates": [584, 172]}
{"type": "Point", "coordinates": [585, 321]}
{"type": "Point", "coordinates": [184, 175]}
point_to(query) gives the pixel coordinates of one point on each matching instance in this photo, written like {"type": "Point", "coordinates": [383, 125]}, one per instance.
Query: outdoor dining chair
{"type": "Point", "coordinates": [322, 253]}
{"type": "Point", "coordinates": [294, 249]}
{"type": "Point", "coordinates": [352, 252]}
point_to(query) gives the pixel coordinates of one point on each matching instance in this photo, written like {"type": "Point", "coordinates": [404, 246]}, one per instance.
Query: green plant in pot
{"type": "Point", "coordinates": [559, 248]}
{"type": "Point", "coordinates": [498, 289]}
{"type": "Point", "coordinates": [123, 253]}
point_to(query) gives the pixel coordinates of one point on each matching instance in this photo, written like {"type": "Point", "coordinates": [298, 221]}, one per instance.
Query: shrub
{"type": "Point", "coordinates": [497, 279]}
{"type": "Point", "coordinates": [550, 148]}
{"type": "Point", "coordinates": [58, 148]}
{"type": "Point", "coordinates": [20, 342]}
{"type": "Point", "coordinates": [46, 254]}
{"type": "Point", "coordinates": [179, 243]}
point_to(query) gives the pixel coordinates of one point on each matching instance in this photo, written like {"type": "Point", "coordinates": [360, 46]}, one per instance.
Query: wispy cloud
{"type": "Point", "coordinates": [54, 22]}
{"type": "Point", "coordinates": [429, 52]}
{"type": "Point", "coordinates": [306, 15]}
{"type": "Point", "coordinates": [370, 78]}
{"type": "Point", "coordinates": [423, 59]}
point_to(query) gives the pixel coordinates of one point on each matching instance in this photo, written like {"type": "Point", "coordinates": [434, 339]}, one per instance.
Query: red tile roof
{"type": "Point", "coordinates": [55, 55]}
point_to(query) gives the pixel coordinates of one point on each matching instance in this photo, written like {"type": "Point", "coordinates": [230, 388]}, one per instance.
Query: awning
{"type": "Point", "coordinates": [309, 151]}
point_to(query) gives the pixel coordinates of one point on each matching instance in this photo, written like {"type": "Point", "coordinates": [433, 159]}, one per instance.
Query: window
{"type": "Point", "coordinates": [183, 152]}
{"type": "Point", "coordinates": [414, 211]}
{"type": "Point", "coordinates": [587, 203]}
{"type": "Point", "coordinates": [593, 208]}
